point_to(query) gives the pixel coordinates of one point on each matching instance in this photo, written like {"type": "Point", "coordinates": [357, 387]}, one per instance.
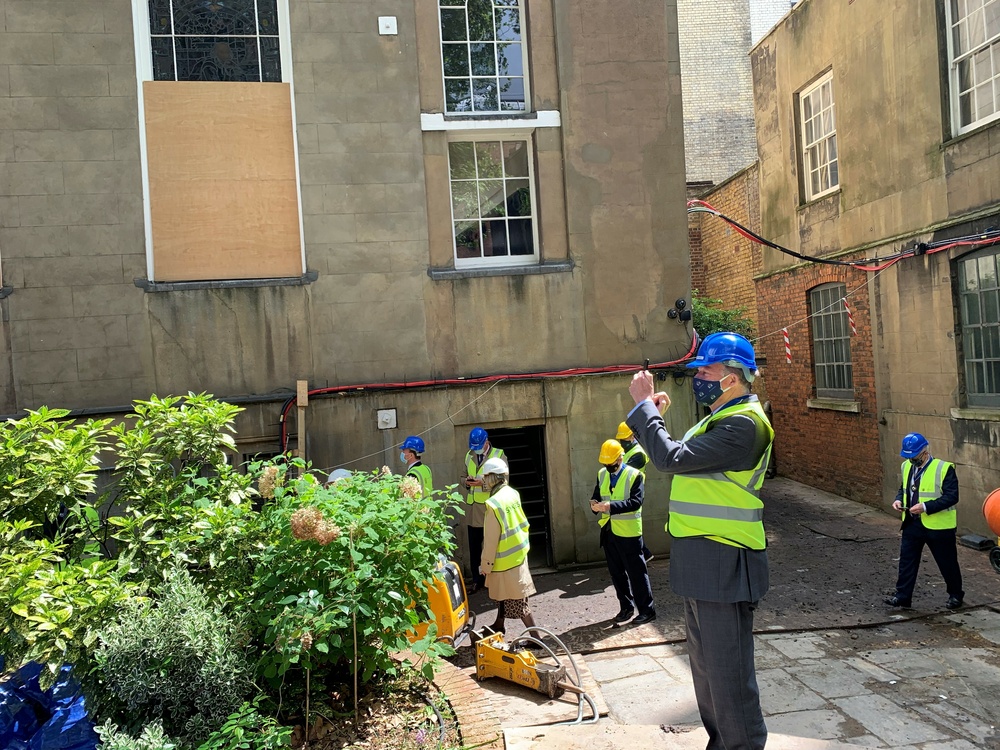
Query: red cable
{"type": "Point", "coordinates": [570, 372]}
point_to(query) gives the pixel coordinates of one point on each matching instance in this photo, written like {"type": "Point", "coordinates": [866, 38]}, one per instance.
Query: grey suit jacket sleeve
{"type": "Point", "coordinates": [732, 444]}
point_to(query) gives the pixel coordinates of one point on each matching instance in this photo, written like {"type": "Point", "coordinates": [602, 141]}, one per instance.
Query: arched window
{"type": "Point", "coordinates": [979, 310]}
{"type": "Point", "coordinates": [483, 56]}
{"type": "Point", "coordinates": [831, 340]}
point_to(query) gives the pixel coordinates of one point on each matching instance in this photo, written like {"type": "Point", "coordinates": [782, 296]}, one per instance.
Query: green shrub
{"type": "Point", "coordinates": [151, 738]}
{"type": "Point", "coordinates": [46, 462]}
{"type": "Point", "coordinates": [246, 729]}
{"type": "Point", "coordinates": [51, 608]}
{"type": "Point", "coordinates": [708, 316]}
{"type": "Point", "coordinates": [176, 659]}
{"type": "Point", "coordinates": [346, 561]}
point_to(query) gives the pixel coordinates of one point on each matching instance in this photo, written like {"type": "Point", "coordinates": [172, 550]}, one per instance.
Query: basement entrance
{"type": "Point", "coordinates": [525, 450]}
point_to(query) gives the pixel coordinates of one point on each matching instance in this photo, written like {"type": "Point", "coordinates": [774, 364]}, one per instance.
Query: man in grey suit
{"type": "Point", "coordinates": [718, 561]}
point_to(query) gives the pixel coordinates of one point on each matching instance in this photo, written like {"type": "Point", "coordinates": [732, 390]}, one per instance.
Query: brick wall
{"type": "Point", "coordinates": [718, 109]}
{"type": "Point", "coordinates": [832, 450]}
{"type": "Point", "coordinates": [730, 260]}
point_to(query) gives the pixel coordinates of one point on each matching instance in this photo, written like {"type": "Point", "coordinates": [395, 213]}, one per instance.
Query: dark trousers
{"type": "Point", "coordinates": [475, 554]}
{"type": "Point", "coordinates": [720, 647]}
{"type": "Point", "coordinates": [628, 571]}
{"type": "Point", "coordinates": [944, 550]}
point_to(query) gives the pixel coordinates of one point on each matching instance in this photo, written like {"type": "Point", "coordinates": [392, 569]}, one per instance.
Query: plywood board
{"type": "Point", "coordinates": [222, 186]}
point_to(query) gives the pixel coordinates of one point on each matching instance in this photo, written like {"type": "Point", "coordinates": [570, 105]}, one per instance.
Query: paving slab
{"type": "Point", "coordinates": [611, 737]}
{"type": "Point", "coordinates": [652, 698]}
{"type": "Point", "coordinates": [985, 622]}
{"type": "Point", "coordinates": [829, 678]}
{"type": "Point", "coordinates": [883, 718]}
{"type": "Point", "coordinates": [781, 693]}
{"type": "Point", "coordinates": [820, 724]}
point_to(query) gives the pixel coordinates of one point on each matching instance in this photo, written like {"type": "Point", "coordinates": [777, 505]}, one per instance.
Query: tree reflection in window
{"type": "Point", "coordinates": [215, 40]}
{"type": "Point", "coordinates": [482, 55]}
{"type": "Point", "coordinates": [491, 199]}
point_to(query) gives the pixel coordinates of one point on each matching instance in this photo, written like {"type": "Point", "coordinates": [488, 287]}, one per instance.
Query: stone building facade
{"type": "Point", "coordinates": [871, 144]}
{"type": "Point", "coordinates": [349, 194]}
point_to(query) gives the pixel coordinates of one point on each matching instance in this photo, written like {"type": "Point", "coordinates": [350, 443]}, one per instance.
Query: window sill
{"type": "Point", "coordinates": [450, 274]}
{"type": "Point", "coordinates": [970, 133]}
{"type": "Point", "coordinates": [834, 404]}
{"type": "Point", "coordinates": [185, 286]}
{"type": "Point", "coordinates": [819, 199]}
{"type": "Point", "coordinates": [6, 291]}
{"type": "Point", "coordinates": [549, 118]}
{"type": "Point", "coordinates": [979, 413]}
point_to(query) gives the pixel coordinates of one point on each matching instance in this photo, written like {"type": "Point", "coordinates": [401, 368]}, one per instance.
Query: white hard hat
{"type": "Point", "coordinates": [337, 474]}
{"type": "Point", "coordinates": [494, 466]}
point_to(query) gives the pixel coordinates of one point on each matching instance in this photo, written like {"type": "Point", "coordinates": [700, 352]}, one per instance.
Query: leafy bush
{"type": "Point", "coordinates": [152, 737]}
{"type": "Point", "coordinates": [181, 499]}
{"type": "Point", "coordinates": [342, 565]}
{"type": "Point", "coordinates": [246, 729]}
{"type": "Point", "coordinates": [176, 659]}
{"type": "Point", "coordinates": [45, 463]}
{"type": "Point", "coordinates": [710, 317]}
{"type": "Point", "coordinates": [51, 609]}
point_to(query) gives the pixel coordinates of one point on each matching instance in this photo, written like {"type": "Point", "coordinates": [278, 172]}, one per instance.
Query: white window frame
{"type": "Point", "coordinates": [144, 72]}
{"type": "Point", "coordinates": [979, 348]}
{"type": "Point", "coordinates": [524, 66]}
{"type": "Point", "coordinates": [807, 166]}
{"type": "Point", "coordinates": [832, 316]}
{"type": "Point", "coordinates": [990, 45]}
{"type": "Point", "coordinates": [474, 136]}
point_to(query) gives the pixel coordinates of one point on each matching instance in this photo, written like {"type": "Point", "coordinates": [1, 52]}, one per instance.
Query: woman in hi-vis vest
{"type": "Point", "coordinates": [504, 560]}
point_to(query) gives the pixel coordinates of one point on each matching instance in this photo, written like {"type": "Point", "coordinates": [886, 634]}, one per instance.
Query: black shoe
{"type": "Point", "coordinates": [643, 619]}
{"type": "Point", "coordinates": [953, 602]}
{"type": "Point", "coordinates": [623, 616]}
{"type": "Point", "coordinates": [895, 601]}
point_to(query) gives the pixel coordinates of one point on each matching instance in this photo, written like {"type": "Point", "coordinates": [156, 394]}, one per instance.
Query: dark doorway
{"type": "Point", "coordinates": [525, 450]}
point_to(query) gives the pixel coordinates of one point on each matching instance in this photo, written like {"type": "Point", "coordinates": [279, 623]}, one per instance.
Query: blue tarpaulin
{"type": "Point", "coordinates": [36, 719]}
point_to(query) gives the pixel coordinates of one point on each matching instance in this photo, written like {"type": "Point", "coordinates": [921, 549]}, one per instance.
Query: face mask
{"type": "Point", "coordinates": [916, 461]}
{"type": "Point", "coordinates": [402, 457]}
{"type": "Point", "coordinates": [479, 451]}
{"type": "Point", "coordinates": [707, 391]}
{"type": "Point", "coordinates": [626, 444]}
{"type": "Point", "coordinates": [612, 468]}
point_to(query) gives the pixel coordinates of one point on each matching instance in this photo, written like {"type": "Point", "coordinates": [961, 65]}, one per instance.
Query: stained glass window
{"type": "Point", "coordinates": [482, 55]}
{"type": "Point", "coordinates": [215, 40]}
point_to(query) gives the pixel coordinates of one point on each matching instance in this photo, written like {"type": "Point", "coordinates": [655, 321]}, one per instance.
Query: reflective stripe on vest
{"type": "Point", "coordinates": [723, 506]}
{"type": "Point", "coordinates": [512, 549]}
{"type": "Point", "coordinates": [622, 524]}
{"type": "Point", "coordinates": [636, 450]}
{"type": "Point", "coordinates": [480, 494]}
{"type": "Point", "coordinates": [931, 487]}
{"type": "Point", "coordinates": [423, 474]}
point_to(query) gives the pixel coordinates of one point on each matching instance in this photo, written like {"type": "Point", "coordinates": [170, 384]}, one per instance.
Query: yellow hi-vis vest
{"type": "Point", "coordinates": [513, 545]}
{"type": "Point", "coordinates": [930, 489]}
{"type": "Point", "coordinates": [423, 474]}
{"type": "Point", "coordinates": [480, 494]}
{"type": "Point", "coordinates": [636, 449]}
{"type": "Point", "coordinates": [722, 506]}
{"type": "Point", "coordinates": [622, 524]}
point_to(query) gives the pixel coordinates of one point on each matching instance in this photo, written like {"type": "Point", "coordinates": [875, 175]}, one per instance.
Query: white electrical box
{"type": "Point", "coordinates": [387, 25]}
{"type": "Point", "coordinates": [387, 419]}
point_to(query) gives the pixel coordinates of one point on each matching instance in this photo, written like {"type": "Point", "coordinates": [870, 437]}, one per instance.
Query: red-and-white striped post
{"type": "Point", "coordinates": [788, 346]}
{"type": "Point", "coordinates": [850, 318]}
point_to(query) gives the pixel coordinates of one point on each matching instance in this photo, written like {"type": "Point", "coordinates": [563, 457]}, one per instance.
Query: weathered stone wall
{"type": "Point", "coordinates": [903, 179]}
{"type": "Point", "coordinates": [78, 333]}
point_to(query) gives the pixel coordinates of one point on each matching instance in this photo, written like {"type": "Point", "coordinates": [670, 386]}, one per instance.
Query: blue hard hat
{"type": "Point", "coordinates": [477, 439]}
{"type": "Point", "coordinates": [728, 348]}
{"type": "Point", "coordinates": [913, 445]}
{"type": "Point", "coordinates": [413, 443]}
